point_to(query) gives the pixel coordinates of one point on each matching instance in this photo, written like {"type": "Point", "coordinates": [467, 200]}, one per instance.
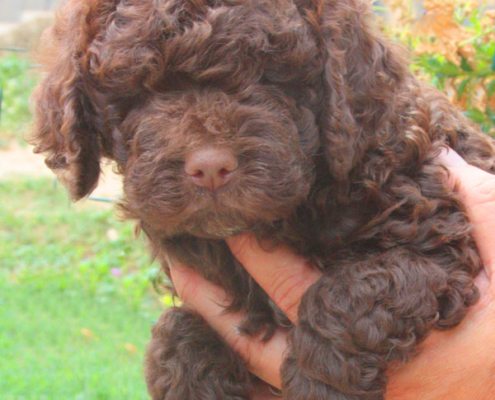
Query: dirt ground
{"type": "Point", "coordinates": [21, 161]}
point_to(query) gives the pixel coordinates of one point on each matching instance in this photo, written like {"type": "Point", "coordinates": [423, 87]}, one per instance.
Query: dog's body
{"type": "Point", "coordinates": [333, 148]}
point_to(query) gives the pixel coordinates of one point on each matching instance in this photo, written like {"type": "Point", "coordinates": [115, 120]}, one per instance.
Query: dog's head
{"type": "Point", "coordinates": [219, 113]}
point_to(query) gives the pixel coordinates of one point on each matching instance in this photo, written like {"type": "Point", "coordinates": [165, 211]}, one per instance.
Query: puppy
{"type": "Point", "coordinates": [290, 119]}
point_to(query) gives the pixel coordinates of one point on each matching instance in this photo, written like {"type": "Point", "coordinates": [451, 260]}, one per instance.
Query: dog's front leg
{"type": "Point", "coordinates": [187, 360]}
{"type": "Point", "coordinates": [358, 318]}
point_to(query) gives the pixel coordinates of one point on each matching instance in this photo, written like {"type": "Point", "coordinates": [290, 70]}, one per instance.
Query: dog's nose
{"type": "Point", "coordinates": [211, 167]}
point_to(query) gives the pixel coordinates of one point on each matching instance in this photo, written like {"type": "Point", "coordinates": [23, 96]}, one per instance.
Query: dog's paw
{"type": "Point", "coordinates": [187, 360]}
{"type": "Point", "coordinates": [298, 385]}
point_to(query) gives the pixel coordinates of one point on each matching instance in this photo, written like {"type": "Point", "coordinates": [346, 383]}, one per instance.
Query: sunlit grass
{"type": "Point", "coordinates": [65, 344]}
{"type": "Point", "coordinates": [17, 81]}
{"type": "Point", "coordinates": [45, 237]}
{"type": "Point", "coordinates": [76, 298]}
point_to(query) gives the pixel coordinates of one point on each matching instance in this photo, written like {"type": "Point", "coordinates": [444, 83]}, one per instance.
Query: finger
{"type": "Point", "coordinates": [478, 190]}
{"type": "Point", "coordinates": [283, 275]}
{"type": "Point", "coordinates": [208, 300]}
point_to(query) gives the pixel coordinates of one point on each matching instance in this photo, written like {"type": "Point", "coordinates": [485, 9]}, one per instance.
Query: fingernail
{"type": "Point", "coordinates": [450, 158]}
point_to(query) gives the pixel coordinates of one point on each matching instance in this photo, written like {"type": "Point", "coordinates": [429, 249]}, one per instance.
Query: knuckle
{"type": "Point", "coordinates": [486, 190]}
{"type": "Point", "coordinates": [240, 344]}
{"type": "Point", "coordinates": [286, 294]}
{"type": "Point", "coordinates": [186, 291]}
{"type": "Point", "coordinates": [239, 246]}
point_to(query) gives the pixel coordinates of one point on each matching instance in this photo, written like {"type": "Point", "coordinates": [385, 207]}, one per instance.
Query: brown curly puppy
{"type": "Point", "coordinates": [291, 119]}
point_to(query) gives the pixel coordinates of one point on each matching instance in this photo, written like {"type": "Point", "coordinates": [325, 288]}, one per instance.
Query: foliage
{"type": "Point", "coordinates": [454, 45]}
{"type": "Point", "coordinates": [17, 81]}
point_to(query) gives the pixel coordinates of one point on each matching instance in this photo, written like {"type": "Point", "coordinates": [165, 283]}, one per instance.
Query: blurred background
{"type": "Point", "coordinates": [78, 293]}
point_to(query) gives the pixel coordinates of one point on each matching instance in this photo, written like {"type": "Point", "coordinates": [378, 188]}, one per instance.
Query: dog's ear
{"type": "Point", "coordinates": [362, 77]}
{"type": "Point", "coordinates": [68, 127]}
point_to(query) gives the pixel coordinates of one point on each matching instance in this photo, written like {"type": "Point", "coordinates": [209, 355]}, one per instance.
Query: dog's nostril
{"type": "Point", "coordinates": [224, 172]}
{"type": "Point", "coordinates": [210, 167]}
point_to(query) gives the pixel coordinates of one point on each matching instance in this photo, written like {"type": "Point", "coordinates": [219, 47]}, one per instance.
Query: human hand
{"type": "Point", "coordinates": [456, 364]}
{"type": "Point", "coordinates": [284, 277]}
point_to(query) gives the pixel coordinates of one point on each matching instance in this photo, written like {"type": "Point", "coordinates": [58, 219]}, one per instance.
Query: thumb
{"type": "Point", "coordinates": [478, 190]}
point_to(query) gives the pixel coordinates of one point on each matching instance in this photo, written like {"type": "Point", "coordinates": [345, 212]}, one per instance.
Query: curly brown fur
{"type": "Point", "coordinates": [178, 369]}
{"type": "Point", "coordinates": [336, 144]}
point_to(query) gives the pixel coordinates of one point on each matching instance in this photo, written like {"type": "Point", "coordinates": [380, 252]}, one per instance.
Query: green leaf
{"type": "Point", "coordinates": [437, 82]}
{"type": "Point", "coordinates": [493, 63]}
{"type": "Point", "coordinates": [380, 8]}
{"type": "Point", "coordinates": [491, 88]}
{"type": "Point", "coordinates": [490, 113]}
{"type": "Point", "coordinates": [476, 20]}
{"type": "Point", "coordinates": [462, 88]}
{"type": "Point", "coordinates": [476, 115]}
{"type": "Point", "coordinates": [486, 127]}
{"type": "Point", "coordinates": [450, 69]}
{"type": "Point", "coordinates": [459, 15]}
{"type": "Point", "coordinates": [465, 65]}
{"type": "Point", "coordinates": [442, 68]}
{"type": "Point", "coordinates": [434, 63]}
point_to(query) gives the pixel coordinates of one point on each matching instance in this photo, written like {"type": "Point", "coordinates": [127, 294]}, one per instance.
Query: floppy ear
{"type": "Point", "coordinates": [68, 125]}
{"type": "Point", "coordinates": [362, 76]}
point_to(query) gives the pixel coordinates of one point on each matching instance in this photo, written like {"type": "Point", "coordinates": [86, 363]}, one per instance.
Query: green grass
{"type": "Point", "coordinates": [46, 237]}
{"type": "Point", "coordinates": [17, 81]}
{"type": "Point", "coordinates": [44, 352]}
{"type": "Point", "coordinates": [76, 298]}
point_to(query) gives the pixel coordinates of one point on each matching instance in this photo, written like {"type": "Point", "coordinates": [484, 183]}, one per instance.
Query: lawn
{"type": "Point", "coordinates": [76, 298]}
{"type": "Point", "coordinates": [17, 80]}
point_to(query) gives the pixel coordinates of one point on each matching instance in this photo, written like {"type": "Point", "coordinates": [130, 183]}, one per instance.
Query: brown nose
{"type": "Point", "coordinates": [211, 167]}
